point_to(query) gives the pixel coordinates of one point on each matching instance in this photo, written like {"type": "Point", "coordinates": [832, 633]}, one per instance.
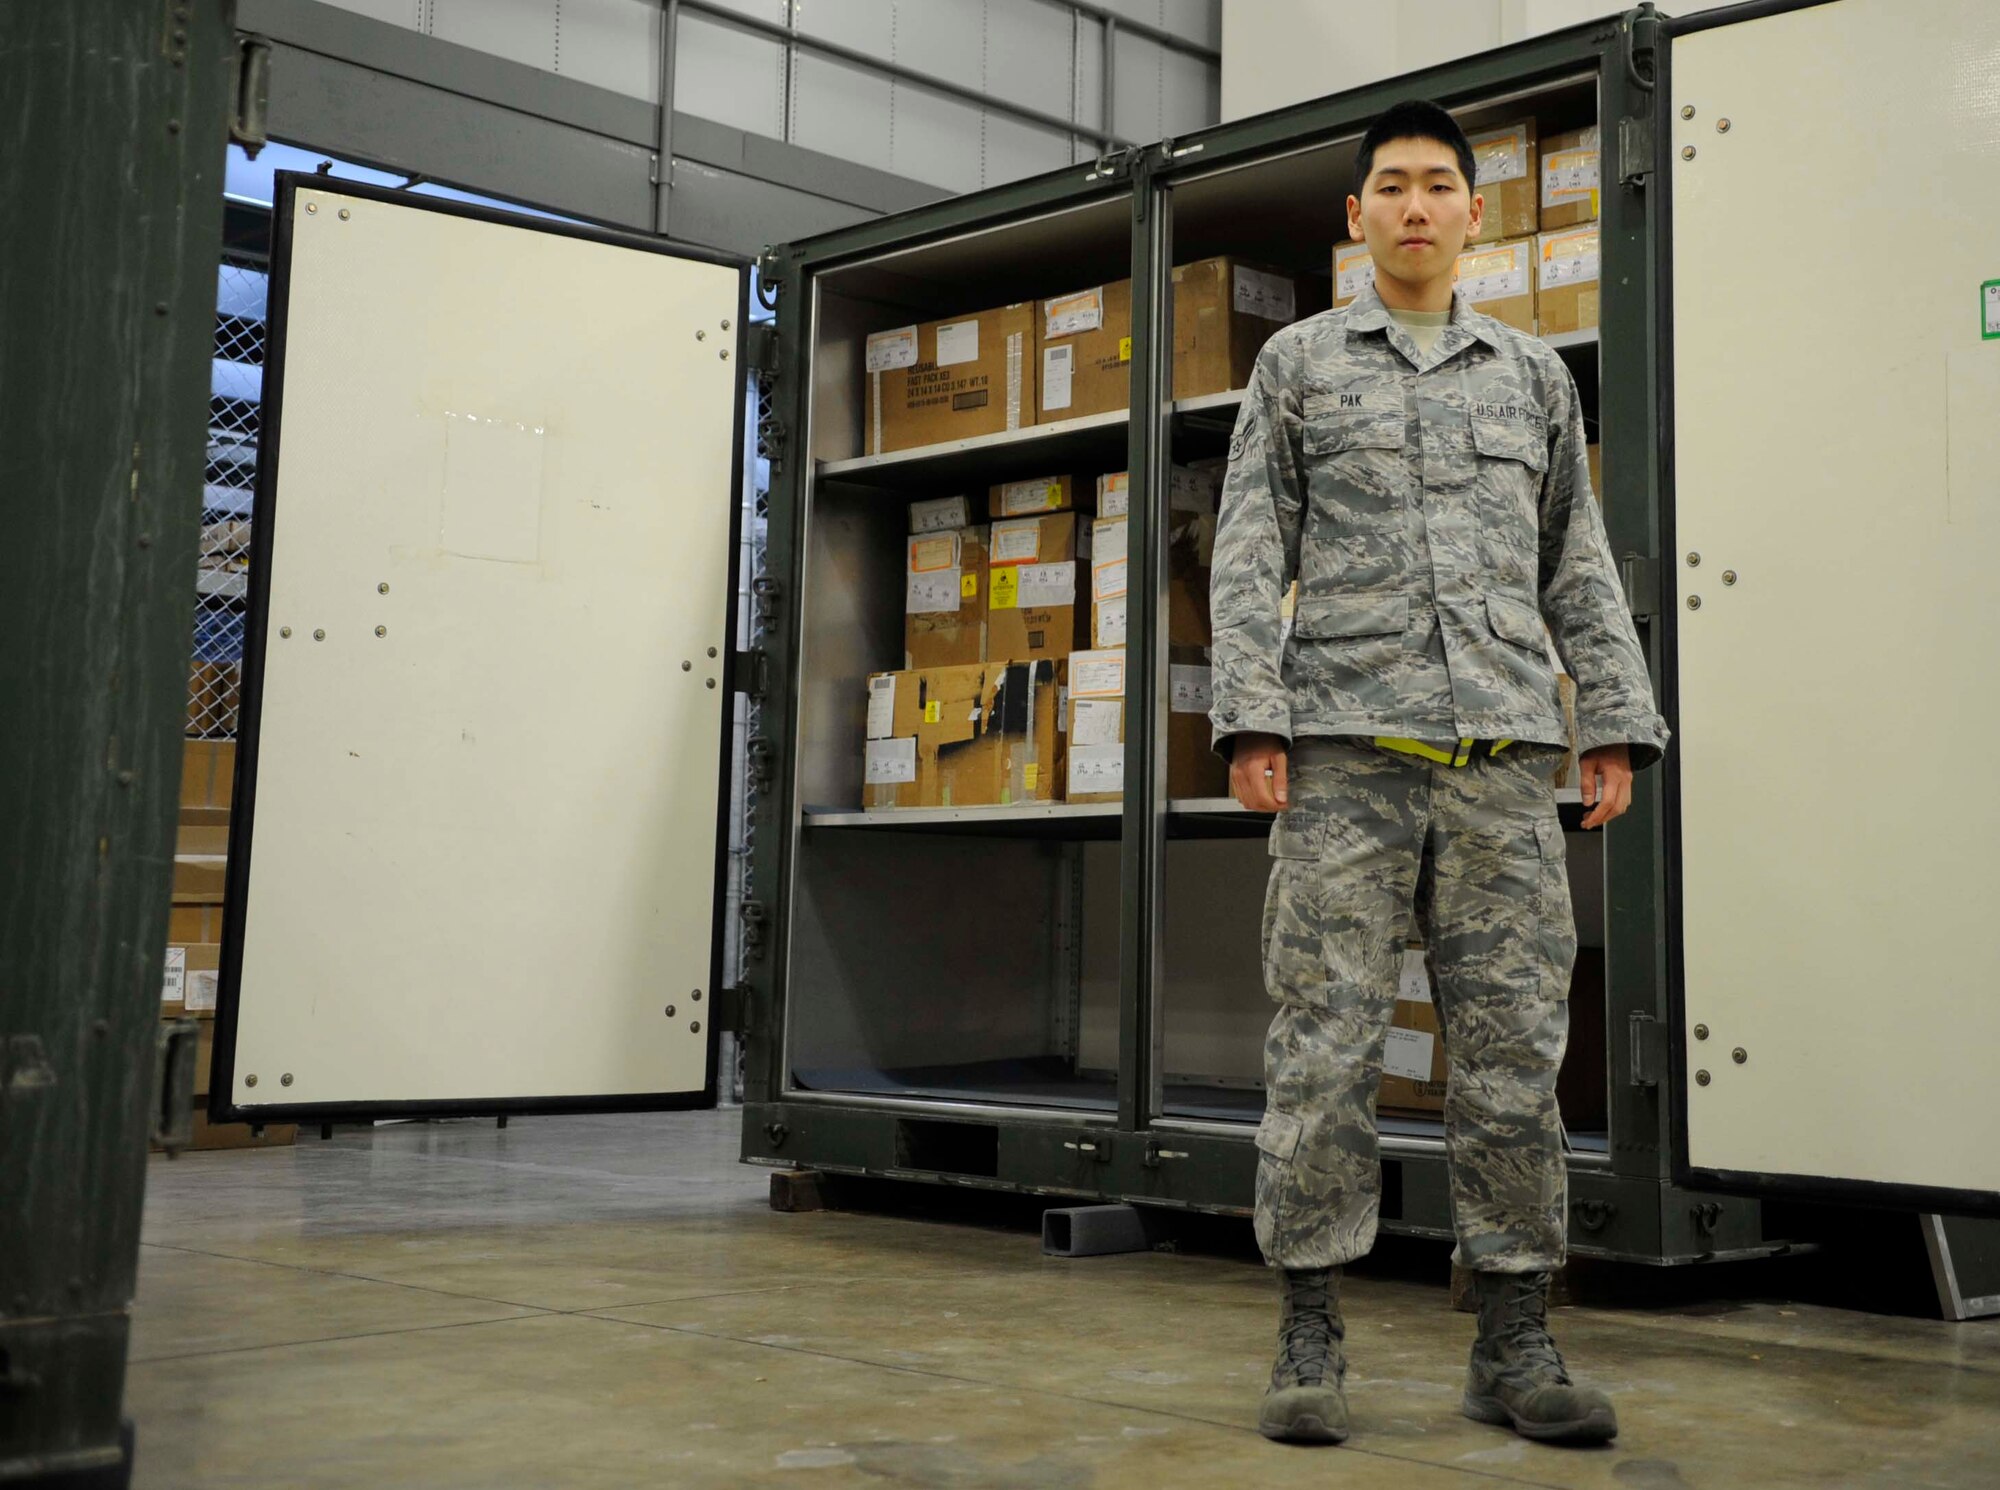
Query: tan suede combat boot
{"type": "Point", "coordinates": [1517, 1377]}
{"type": "Point", "coordinates": [1305, 1403]}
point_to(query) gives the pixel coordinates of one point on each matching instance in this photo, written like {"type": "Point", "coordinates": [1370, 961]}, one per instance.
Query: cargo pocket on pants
{"type": "Point", "coordinates": [1294, 962]}
{"type": "Point", "coordinates": [1555, 931]}
{"type": "Point", "coordinates": [1277, 1143]}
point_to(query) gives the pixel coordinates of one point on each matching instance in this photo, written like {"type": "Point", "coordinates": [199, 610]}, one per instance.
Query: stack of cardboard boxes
{"type": "Point", "coordinates": [1066, 357]}
{"type": "Point", "coordinates": [1534, 262]}
{"type": "Point", "coordinates": [194, 928]}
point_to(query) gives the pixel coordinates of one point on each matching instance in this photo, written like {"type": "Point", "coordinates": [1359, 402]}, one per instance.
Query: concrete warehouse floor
{"type": "Point", "coordinates": [611, 1302]}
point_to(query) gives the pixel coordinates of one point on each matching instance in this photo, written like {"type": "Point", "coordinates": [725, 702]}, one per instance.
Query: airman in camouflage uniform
{"type": "Point", "coordinates": [1433, 503]}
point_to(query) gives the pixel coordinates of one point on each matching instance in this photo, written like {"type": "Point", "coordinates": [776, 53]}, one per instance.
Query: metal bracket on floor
{"type": "Point", "coordinates": [1098, 1231]}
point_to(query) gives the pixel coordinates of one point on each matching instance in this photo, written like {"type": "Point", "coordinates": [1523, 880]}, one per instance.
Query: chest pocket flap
{"type": "Point", "coordinates": [1515, 622]}
{"type": "Point", "coordinates": [1367, 419]}
{"type": "Point", "coordinates": [1512, 439]}
{"type": "Point", "coordinates": [1351, 615]}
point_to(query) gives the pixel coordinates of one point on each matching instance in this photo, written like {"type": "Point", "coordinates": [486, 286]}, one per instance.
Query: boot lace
{"type": "Point", "coordinates": [1307, 1337]}
{"type": "Point", "coordinates": [1520, 1329]}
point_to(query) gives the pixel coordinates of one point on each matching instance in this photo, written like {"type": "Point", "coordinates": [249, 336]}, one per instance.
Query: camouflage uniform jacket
{"type": "Point", "coordinates": [1436, 513]}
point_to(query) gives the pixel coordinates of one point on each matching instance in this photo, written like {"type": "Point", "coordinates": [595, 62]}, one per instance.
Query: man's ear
{"type": "Point", "coordinates": [1478, 216]}
{"type": "Point", "coordinates": [1354, 218]}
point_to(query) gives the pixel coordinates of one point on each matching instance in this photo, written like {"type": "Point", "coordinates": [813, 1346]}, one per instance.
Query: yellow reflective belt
{"type": "Point", "coordinates": [1432, 753]}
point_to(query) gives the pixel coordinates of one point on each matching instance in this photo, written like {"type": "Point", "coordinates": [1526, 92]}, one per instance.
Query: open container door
{"type": "Point", "coordinates": [1835, 343]}
{"type": "Point", "coordinates": [476, 844]}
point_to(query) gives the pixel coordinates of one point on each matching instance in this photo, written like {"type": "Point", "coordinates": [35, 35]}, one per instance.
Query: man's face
{"type": "Point", "coordinates": [1415, 210]}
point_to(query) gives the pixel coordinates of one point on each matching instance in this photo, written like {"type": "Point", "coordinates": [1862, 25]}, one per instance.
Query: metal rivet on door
{"type": "Point", "coordinates": [1694, 560]}
{"type": "Point", "coordinates": [711, 682]}
{"type": "Point", "coordinates": [1687, 111]}
{"type": "Point", "coordinates": [319, 635]}
{"type": "Point", "coordinates": [724, 354]}
{"type": "Point", "coordinates": [250, 1080]}
{"type": "Point", "coordinates": [670, 1011]}
{"type": "Point", "coordinates": [696, 995]}
{"type": "Point", "coordinates": [1694, 602]}
{"type": "Point", "coordinates": [381, 630]}
{"type": "Point", "coordinates": [345, 214]}
{"type": "Point", "coordinates": [725, 325]}
{"type": "Point", "coordinates": [383, 588]}
{"type": "Point", "coordinates": [1687, 152]}
{"type": "Point", "coordinates": [284, 631]}
{"type": "Point", "coordinates": [686, 666]}
{"type": "Point", "coordinates": [312, 208]}
{"type": "Point", "coordinates": [1729, 576]}
{"type": "Point", "coordinates": [1722, 126]}
{"type": "Point", "coordinates": [285, 1080]}
{"type": "Point", "coordinates": [1701, 1078]}
{"type": "Point", "coordinates": [695, 1026]}
{"type": "Point", "coordinates": [711, 651]}
{"type": "Point", "coordinates": [701, 336]}
{"type": "Point", "coordinates": [1701, 1032]}
{"type": "Point", "coordinates": [1739, 1055]}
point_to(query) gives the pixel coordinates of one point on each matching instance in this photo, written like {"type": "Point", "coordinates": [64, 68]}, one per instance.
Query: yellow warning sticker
{"type": "Point", "coordinates": [1006, 594]}
{"type": "Point", "coordinates": [968, 586]}
{"type": "Point", "coordinates": [931, 711]}
{"type": "Point", "coordinates": [1030, 775]}
{"type": "Point", "coordinates": [1124, 349]}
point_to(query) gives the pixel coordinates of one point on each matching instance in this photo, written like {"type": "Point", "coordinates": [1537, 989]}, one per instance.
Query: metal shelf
{"type": "Point", "coordinates": [1033, 449]}
{"type": "Point", "coordinates": [1029, 819]}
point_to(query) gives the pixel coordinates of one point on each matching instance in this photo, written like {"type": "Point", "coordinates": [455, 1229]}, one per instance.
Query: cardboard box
{"type": "Point", "coordinates": [188, 984]}
{"type": "Point", "coordinates": [1353, 271]}
{"type": "Point", "coordinates": [1224, 312]}
{"type": "Point", "coordinates": [1048, 539]}
{"type": "Point", "coordinates": [1510, 178]}
{"type": "Point", "coordinates": [1566, 280]}
{"type": "Point", "coordinates": [214, 692]}
{"type": "Point", "coordinates": [1498, 279]}
{"type": "Point", "coordinates": [1193, 768]}
{"type": "Point", "coordinates": [1034, 611]}
{"type": "Point", "coordinates": [194, 922]}
{"type": "Point", "coordinates": [1030, 498]}
{"type": "Point", "coordinates": [963, 737]}
{"type": "Point", "coordinates": [940, 515]}
{"type": "Point", "coordinates": [949, 380]}
{"type": "Point", "coordinates": [1108, 581]}
{"type": "Point", "coordinates": [208, 774]}
{"type": "Point", "coordinates": [944, 599]}
{"type": "Point", "coordinates": [919, 720]}
{"type": "Point", "coordinates": [1114, 494]}
{"type": "Point", "coordinates": [199, 878]}
{"type": "Point", "coordinates": [1094, 728]}
{"type": "Point", "coordinates": [1084, 353]}
{"type": "Point", "coordinates": [1570, 172]}
{"type": "Point", "coordinates": [1413, 1064]}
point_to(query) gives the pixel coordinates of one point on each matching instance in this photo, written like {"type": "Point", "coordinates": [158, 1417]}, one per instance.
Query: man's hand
{"type": "Point", "coordinates": [1257, 772]}
{"type": "Point", "coordinates": [1606, 779]}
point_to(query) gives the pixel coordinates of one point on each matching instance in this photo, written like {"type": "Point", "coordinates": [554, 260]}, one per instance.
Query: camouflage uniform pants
{"type": "Point", "coordinates": [1476, 854]}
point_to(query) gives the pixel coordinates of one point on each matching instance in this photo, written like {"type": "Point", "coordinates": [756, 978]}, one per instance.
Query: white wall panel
{"type": "Point", "coordinates": [842, 110]}
{"type": "Point", "coordinates": [1139, 72]}
{"type": "Point", "coordinates": [520, 30]}
{"type": "Point", "coordinates": [943, 39]}
{"type": "Point", "coordinates": [396, 12]}
{"type": "Point", "coordinates": [1016, 148]}
{"type": "Point", "coordinates": [865, 25]}
{"type": "Point", "coordinates": [612, 43]}
{"type": "Point", "coordinates": [1030, 55]}
{"type": "Point", "coordinates": [733, 76]}
{"type": "Point", "coordinates": [937, 139]}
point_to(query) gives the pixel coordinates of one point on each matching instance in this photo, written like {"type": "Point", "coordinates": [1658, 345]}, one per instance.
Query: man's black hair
{"type": "Point", "coordinates": [1413, 119]}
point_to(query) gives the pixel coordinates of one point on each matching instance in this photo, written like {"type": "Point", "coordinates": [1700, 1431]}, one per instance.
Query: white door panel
{"type": "Point", "coordinates": [1837, 445]}
{"type": "Point", "coordinates": [483, 852]}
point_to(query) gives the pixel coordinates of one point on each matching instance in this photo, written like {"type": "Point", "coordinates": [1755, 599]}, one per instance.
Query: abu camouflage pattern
{"type": "Point", "coordinates": [1372, 842]}
{"type": "Point", "coordinates": [1435, 511]}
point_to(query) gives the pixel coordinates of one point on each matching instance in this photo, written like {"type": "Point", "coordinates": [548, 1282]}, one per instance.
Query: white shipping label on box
{"type": "Point", "coordinates": [1407, 1053]}
{"type": "Point", "coordinates": [1107, 540]}
{"type": "Point", "coordinates": [1016, 542]}
{"type": "Point", "coordinates": [1569, 260]}
{"type": "Point", "coordinates": [891, 349]}
{"type": "Point", "coordinates": [1991, 300]}
{"type": "Point", "coordinates": [943, 515]}
{"type": "Point", "coordinates": [201, 986]}
{"type": "Point", "coordinates": [1189, 490]}
{"type": "Point", "coordinates": [1271, 297]}
{"type": "Point", "coordinates": [1353, 272]}
{"type": "Point", "coordinates": [174, 983]}
{"type": "Point", "coordinates": [1099, 721]}
{"type": "Point", "coordinates": [1073, 313]}
{"type": "Point", "coordinates": [1062, 709]}
{"type": "Point", "coordinates": [1493, 273]}
{"type": "Point", "coordinates": [1568, 176]}
{"type": "Point", "coordinates": [1500, 156]}
{"type": "Point", "coordinates": [1018, 498]}
{"type": "Point", "coordinates": [1056, 365]}
{"type": "Point", "coordinates": [957, 342]}
{"type": "Point", "coordinates": [932, 593]}
{"type": "Point", "coordinates": [1416, 981]}
{"type": "Point", "coordinates": [1113, 499]}
{"type": "Point", "coordinates": [1096, 768]}
{"type": "Point", "coordinates": [891, 762]}
{"type": "Point", "coordinates": [1110, 630]}
{"type": "Point", "coordinates": [1190, 688]}
{"type": "Point", "coordinates": [1047, 584]}
{"type": "Point", "coordinates": [881, 706]}
{"type": "Point", "coordinates": [1097, 674]}
{"type": "Point", "coordinates": [1107, 580]}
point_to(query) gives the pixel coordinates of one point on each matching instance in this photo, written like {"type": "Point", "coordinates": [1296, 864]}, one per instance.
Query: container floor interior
{"type": "Point", "coordinates": [611, 1301]}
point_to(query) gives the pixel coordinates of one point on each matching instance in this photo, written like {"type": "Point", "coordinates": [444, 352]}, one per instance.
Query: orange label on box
{"type": "Point", "coordinates": [930, 554]}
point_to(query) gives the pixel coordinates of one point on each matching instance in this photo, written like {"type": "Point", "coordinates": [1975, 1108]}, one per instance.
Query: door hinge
{"type": "Point", "coordinates": [1649, 1050]}
{"type": "Point", "coordinates": [733, 1009]}
{"type": "Point", "coordinates": [1641, 578]}
{"type": "Point", "coordinates": [253, 94]}
{"type": "Point", "coordinates": [760, 762]}
{"type": "Point", "coordinates": [767, 596]}
{"type": "Point", "coordinates": [750, 672]}
{"type": "Point", "coordinates": [770, 276]}
{"type": "Point", "coordinates": [754, 926]}
{"type": "Point", "coordinates": [173, 1083]}
{"type": "Point", "coordinates": [1635, 151]}
{"type": "Point", "coordinates": [760, 347]}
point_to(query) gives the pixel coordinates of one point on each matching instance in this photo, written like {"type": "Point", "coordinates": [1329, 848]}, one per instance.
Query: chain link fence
{"type": "Point", "coordinates": [236, 385]}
